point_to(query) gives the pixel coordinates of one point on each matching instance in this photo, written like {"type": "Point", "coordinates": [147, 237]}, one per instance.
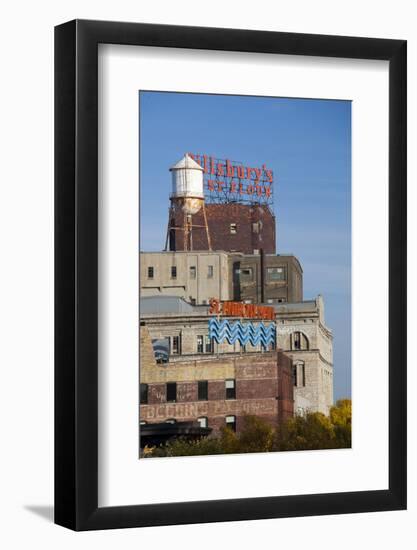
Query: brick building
{"type": "Point", "coordinates": [301, 335]}
{"type": "Point", "coordinates": [233, 227]}
{"type": "Point", "coordinates": [215, 390]}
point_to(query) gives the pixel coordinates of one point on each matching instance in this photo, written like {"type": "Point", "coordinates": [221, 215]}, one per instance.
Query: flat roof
{"type": "Point", "coordinates": [167, 304]}
{"type": "Point", "coordinates": [174, 304]}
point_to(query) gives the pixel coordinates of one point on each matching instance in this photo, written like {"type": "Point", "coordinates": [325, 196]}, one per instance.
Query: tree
{"type": "Point", "coordinates": [341, 418]}
{"type": "Point", "coordinates": [317, 431]}
{"type": "Point", "coordinates": [313, 431]}
{"type": "Point", "coordinates": [256, 436]}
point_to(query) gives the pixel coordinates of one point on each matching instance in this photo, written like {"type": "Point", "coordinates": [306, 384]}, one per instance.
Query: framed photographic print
{"type": "Point", "coordinates": [230, 275]}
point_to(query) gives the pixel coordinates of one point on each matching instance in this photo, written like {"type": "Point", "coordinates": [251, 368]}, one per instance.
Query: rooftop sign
{"type": "Point", "coordinates": [232, 181]}
{"type": "Point", "coordinates": [239, 309]}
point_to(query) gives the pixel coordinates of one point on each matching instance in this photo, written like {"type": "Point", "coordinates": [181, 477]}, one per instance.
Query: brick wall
{"type": "Point", "coordinates": [262, 381]}
{"type": "Point", "coordinates": [255, 228]}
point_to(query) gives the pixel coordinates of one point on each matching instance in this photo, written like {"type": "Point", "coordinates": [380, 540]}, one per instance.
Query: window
{"type": "Point", "coordinates": [233, 228]}
{"type": "Point", "coordinates": [303, 374]}
{"type": "Point", "coordinates": [202, 390]}
{"type": "Point", "coordinates": [203, 421]}
{"type": "Point", "coordinates": [230, 389]}
{"type": "Point", "coordinates": [246, 274]}
{"type": "Point", "coordinates": [143, 394]}
{"type": "Point", "coordinates": [150, 272]}
{"type": "Point", "coordinates": [276, 273]}
{"type": "Point", "coordinates": [299, 375]}
{"type": "Point", "coordinates": [193, 272]}
{"type": "Point", "coordinates": [173, 272]}
{"type": "Point", "coordinates": [209, 345]}
{"type": "Point", "coordinates": [231, 422]}
{"type": "Point", "coordinates": [200, 344]}
{"type": "Point", "coordinates": [299, 341]}
{"type": "Point", "coordinates": [171, 392]}
{"type": "Point", "coordinates": [210, 271]}
{"type": "Point", "coordinates": [175, 345]}
{"type": "Point", "coordinates": [256, 251]}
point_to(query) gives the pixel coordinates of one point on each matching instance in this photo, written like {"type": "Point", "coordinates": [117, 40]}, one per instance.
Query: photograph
{"type": "Point", "coordinates": [245, 274]}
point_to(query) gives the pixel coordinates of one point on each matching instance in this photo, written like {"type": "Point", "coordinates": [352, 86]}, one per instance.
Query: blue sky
{"type": "Point", "coordinates": [306, 142]}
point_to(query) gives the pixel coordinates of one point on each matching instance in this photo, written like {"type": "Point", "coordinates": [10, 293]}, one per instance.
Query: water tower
{"type": "Point", "coordinates": [187, 205]}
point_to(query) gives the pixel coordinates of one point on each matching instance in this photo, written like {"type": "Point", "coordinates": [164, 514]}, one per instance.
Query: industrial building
{"type": "Point", "coordinates": [194, 276]}
{"type": "Point", "coordinates": [301, 335]}
{"type": "Point", "coordinates": [202, 382]}
{"type": "Point", "coordinates": [232, 227]}
{"type": "Point", "coordinates": [246, 226]}
{"type": "Point", "coordinates": [224, 329]}
{"type": "Point", "coordinates": [197, 276]}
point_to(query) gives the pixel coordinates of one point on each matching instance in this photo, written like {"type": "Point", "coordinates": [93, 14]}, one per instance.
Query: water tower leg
{"type": "Point", "coordinates": [207, 227]}
{"type": "Point", "coordinates": [168, 228]}
{"type": "Point", "coordinates": [185, 228]}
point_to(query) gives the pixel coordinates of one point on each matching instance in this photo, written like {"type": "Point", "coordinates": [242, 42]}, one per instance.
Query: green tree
{"type": "Point", "coordinates": [256, 436]}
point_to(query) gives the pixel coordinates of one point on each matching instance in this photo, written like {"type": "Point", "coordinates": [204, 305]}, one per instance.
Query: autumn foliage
{"type": "Point", "coordinates": [310, 432]}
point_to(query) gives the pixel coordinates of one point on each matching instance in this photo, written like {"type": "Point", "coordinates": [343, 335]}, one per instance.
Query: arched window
{"type": "Point", "coordinates": [299, 341]}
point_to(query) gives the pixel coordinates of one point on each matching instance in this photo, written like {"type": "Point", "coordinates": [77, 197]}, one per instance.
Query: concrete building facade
{"type": "Point", "coordinates": [194, 276]}
{"type": "Point", "coordinates": [303, 335]}
{"type": "Point", "coordinates": [198, 276]}
{"type": "Point", "coordinates": [266, 278]}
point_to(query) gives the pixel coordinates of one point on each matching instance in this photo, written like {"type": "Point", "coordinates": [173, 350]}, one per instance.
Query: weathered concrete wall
{"type": "Point", "coordinates": [210, 268]}
{"type": "Point", "coordinates": [249, 288]}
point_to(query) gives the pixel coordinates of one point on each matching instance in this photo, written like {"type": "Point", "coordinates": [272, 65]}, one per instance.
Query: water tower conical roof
{"type": "Point", "coordinates": [186, 163]}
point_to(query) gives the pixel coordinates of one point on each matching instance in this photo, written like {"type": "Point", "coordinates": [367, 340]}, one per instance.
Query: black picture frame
{"type": "Point", "coordinates": [76, 272]}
